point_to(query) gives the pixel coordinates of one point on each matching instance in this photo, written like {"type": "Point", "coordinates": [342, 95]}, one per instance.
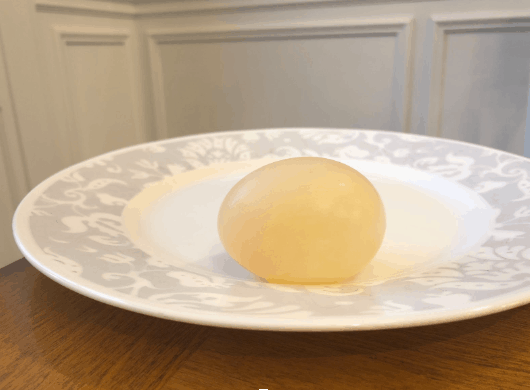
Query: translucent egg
{"type": "Point", "coordinates": [305, 220]}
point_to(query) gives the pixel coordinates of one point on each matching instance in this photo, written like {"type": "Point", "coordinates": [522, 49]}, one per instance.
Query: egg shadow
{"type": "Point", "coordinates": [220, 262]}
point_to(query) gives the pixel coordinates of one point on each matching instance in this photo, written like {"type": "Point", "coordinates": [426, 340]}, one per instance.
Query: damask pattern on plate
{"type": "Point", "coordinates": [70, 227]}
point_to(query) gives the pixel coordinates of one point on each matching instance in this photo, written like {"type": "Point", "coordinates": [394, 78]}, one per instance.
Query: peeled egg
{"type": "Point", "coordinates": [305, 220]}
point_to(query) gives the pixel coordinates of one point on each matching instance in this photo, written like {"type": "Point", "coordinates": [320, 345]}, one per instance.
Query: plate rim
{"type": "Point", "coordinates": [27, 245]}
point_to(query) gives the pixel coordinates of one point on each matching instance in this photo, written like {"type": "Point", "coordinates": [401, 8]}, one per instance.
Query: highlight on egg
{"type": "Point", "coordinates": [304, 220]}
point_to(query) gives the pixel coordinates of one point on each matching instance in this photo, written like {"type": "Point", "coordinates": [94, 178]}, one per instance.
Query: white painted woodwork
{"type": "Point", "coordinates": [99, 88]}
{"type": "Point", "coordinates": [479, 89]}
{"type": "Point", "coordinates": [14, 161]}
{"type": "Point", "coordinates": [527, 131]}
{"type": "Point", "coordinates": [208, 73]}
{"type": "Point", "coordinates": [38, 147]}
{"type": "Point", "coordinates": [13, 183]}
{"type": "Point", "coordinates": [82, 77]}
{"type": "Point", "coordinates": [93, 80]}
{"type": "Point", "coordinates": [143, 8]}
{"type": "Point", "coordinates": [283, 75]}
{"type": "Point", "coordinates": [8, 249]}
{"type": "Point", "coordinates": [84, 7]}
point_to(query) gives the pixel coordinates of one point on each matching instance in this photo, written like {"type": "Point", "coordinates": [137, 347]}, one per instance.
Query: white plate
{"type": "Point", "coordinates": [136, 228]}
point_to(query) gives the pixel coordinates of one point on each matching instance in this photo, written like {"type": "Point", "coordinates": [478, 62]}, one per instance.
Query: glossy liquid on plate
{"type": "Point", "coordinates": [304, 220]}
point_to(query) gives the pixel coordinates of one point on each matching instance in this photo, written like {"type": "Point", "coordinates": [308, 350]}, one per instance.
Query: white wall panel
{"type": "Point", "coordinates": [99, 88]}
{"type": "Point", "coordinates": [480, 83]}
{"type": "Point", "coordinates": [349, 75]}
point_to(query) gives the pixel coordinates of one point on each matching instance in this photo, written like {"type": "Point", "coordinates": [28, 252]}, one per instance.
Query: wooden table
{"type": "Point", "coordinates": [53, 338]}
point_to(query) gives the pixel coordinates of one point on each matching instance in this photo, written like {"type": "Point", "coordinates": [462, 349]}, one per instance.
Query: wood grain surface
{"type": "Point", "coordinates": [54, 338]}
